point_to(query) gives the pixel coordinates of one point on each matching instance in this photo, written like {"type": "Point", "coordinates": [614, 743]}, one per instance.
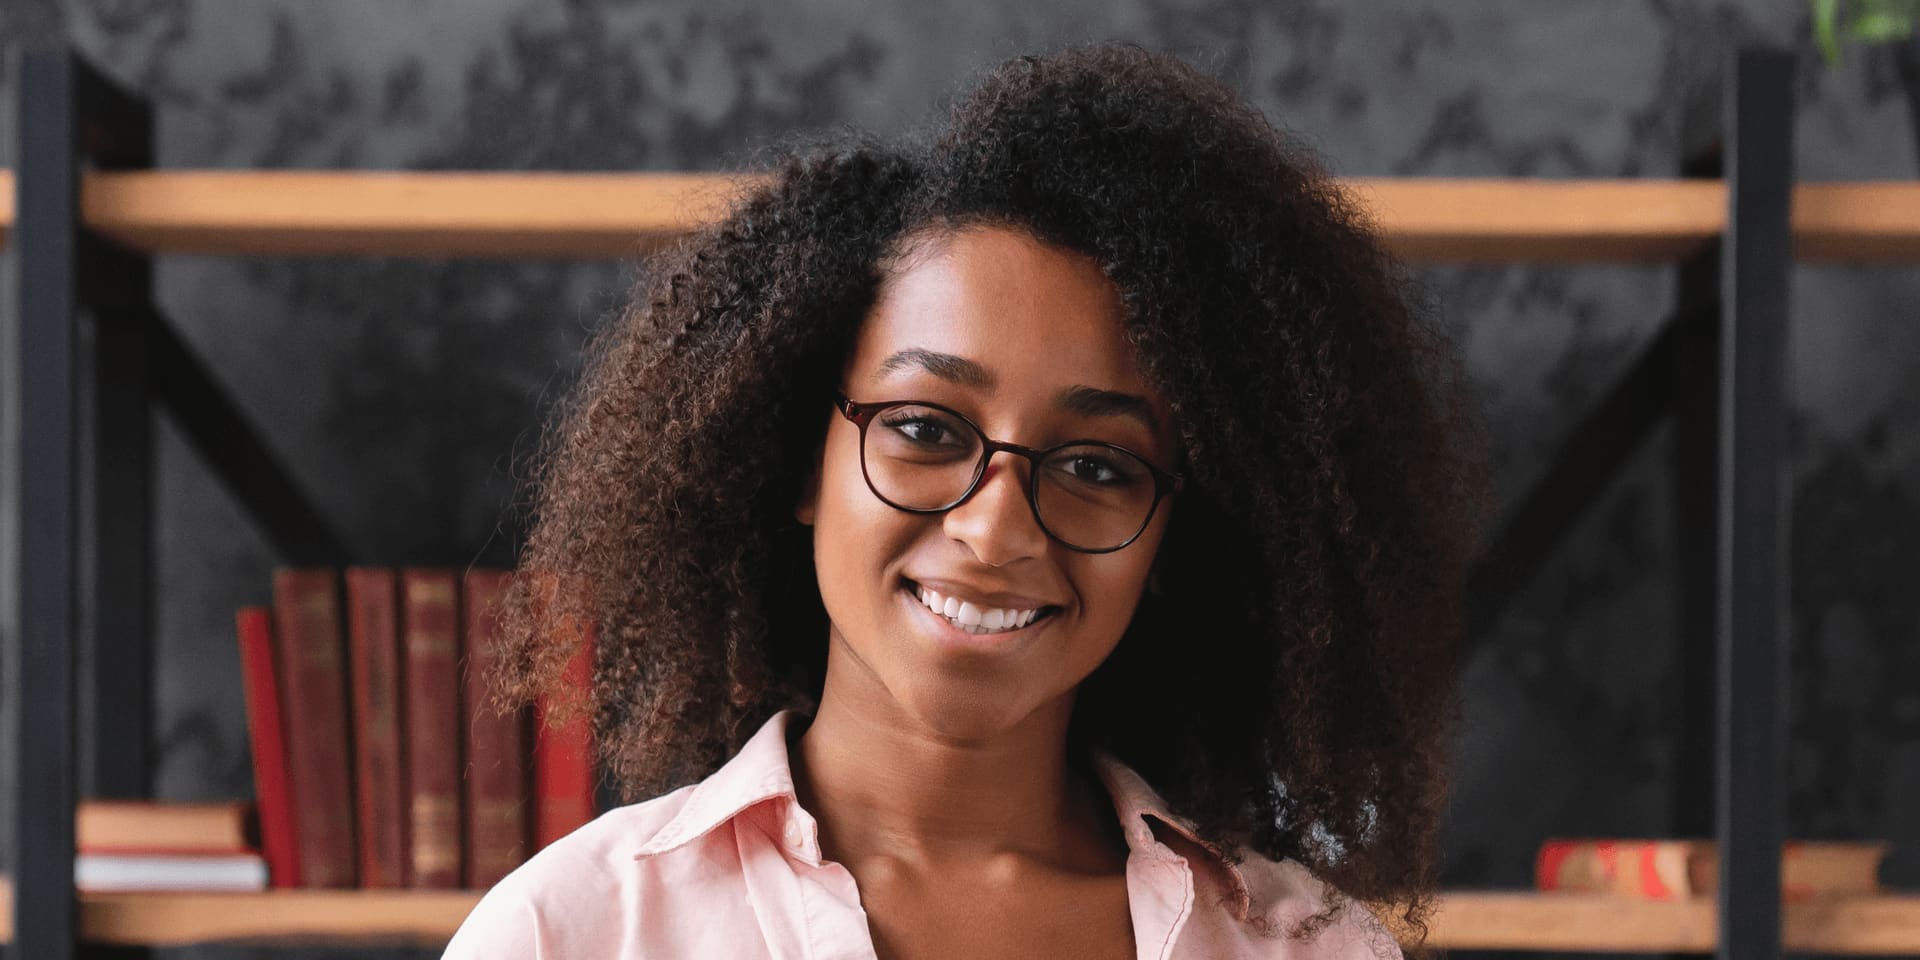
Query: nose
{"type": "Point", "coordinates": [997, 523]}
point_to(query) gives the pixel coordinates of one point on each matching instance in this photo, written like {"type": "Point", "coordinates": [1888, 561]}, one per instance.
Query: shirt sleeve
{"type": "Point", "coordinates": [505, 924]}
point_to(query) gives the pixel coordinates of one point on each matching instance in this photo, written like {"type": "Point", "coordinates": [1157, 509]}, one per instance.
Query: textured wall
{"type": "Point", "coordinates": [404, 395]}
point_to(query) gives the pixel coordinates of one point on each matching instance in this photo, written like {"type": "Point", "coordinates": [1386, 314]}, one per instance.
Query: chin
{"type": "Point", "coordinates": [969, 709]}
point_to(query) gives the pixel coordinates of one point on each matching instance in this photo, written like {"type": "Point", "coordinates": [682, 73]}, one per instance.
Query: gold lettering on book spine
{"type": "Point", "coordinates": [433, 599]}
{"type": "Point", "coordinates": [437, 592]}
{"type": "Point", "coordinates": [424, 644]}
{"type": "Point", "coordinates": [436, 827]}
{"type": "Point", "coordinates": [317, 615]}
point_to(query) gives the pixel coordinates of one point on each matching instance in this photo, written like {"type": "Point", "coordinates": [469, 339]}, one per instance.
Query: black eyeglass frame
{"type": "Point", "coordinates": [1165, 484]}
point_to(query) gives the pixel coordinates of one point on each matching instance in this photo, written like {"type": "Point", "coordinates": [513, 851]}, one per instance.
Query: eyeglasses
{"type": "Point", "coordinates": [1093, 497]}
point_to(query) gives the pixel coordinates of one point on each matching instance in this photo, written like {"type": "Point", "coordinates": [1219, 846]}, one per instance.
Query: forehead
{"type": "Point", "coordinates": [1035, 315]}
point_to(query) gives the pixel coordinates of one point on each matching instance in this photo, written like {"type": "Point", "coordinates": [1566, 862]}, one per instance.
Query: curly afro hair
{"type": "Point", "coordinates": [1290, 688]}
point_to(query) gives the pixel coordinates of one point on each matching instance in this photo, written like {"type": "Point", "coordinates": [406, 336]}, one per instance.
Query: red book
{"type": "Point", "coordinates": [563, 770]}
{"type": "Point", "coordinates": [497, 816]}
{"type": "Point", "coordinates": [313, 686]}
{"type": "Point", "coordinates": [379, 771]}
{"type": "Point", "coordinates": [430, 605]}
{"type": "Point", "coordinates": [279, 839]}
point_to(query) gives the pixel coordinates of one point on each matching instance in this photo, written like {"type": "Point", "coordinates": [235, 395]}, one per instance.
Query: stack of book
{"type": "Point", "coordinates": [379, 758]}
{"type": "Point", "coordinates": [1682, 869]}
{"type": "Point", "coordinates": [126, 846]}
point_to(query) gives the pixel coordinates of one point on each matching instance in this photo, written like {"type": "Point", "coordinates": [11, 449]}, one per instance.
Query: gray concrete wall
{"type": "Point", "coordinates": [404, 394]}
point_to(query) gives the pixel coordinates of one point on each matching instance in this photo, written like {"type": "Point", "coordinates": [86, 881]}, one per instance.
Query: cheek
{"type": "Point", "coordinates": [855, 537]}
{"type": "Point", "coordinates": [1115, 593]}
{"type": "Point", "coordinates": [1118, 581]}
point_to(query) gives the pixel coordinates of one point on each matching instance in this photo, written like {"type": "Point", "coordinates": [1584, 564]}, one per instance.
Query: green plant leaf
{"type": "Point", "coordinates": [1881, 26]}
{"type": "Point", "coordinates": [1826, 14]}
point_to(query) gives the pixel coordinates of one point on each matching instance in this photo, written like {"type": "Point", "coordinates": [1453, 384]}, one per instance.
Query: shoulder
{"type": "Point", "coordinates": [1246, 904]}
{"type": "Point", "coordinates": [572, 897]}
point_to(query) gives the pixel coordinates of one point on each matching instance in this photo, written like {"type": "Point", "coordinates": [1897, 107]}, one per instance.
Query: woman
{"type": "Point", "coordinates": [1043, 540]}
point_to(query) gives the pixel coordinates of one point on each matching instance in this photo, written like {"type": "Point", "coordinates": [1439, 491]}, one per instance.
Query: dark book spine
{"type": "Point", "coordinates": [379, 755]}
{"type": "Point", "coordinates": [497, 821]}
{"type": "Point", "coordinates": [430, 605]}
{"type": "Point", "coordinates": [312, 662]}
{"type": "Point", "coordinates": [273, 791]}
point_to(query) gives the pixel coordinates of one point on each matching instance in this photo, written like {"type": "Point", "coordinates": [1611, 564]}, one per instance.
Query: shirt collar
{"type": "Point", "coordinates": [762, 772]}
{"type": "Point", "coordinates": [759, 773]}
{"type": "Point", "coordinates": [1139, 807]}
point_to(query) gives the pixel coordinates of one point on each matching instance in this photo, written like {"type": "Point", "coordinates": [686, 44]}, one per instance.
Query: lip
{"type": "Point", "coordinates": [946, 635]}
{"type": "Point", "coordinates": [983, 598]}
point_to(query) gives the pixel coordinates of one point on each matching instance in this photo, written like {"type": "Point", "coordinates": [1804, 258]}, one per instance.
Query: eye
{"type": "Point", "coordinates": [1092, 469]}
{"type": "Point", "coordinates": [1097, 467]}
{"type": "Point", "coordinates": [922, 430]}
{"type": "Point", "coordinates": [925, 429]}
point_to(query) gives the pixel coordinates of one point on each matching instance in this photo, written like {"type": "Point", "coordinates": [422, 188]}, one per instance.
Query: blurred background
{"type": "Point", "coordinates": [405, 395]}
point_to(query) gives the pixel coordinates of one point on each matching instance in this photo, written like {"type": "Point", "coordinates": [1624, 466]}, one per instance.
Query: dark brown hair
{"type": "Point", "coordinates": [1291, 686]}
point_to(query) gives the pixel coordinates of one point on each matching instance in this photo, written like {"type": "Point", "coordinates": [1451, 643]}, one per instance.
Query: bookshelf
{"type": "Point", "coordinates": [1482, 920]}
{"type": "Point", "coordinates": [1742, 228]}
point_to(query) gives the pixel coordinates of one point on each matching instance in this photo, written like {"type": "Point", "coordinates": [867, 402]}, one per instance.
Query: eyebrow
{"type": "Point", "coordinates": [1095, 402]}
{"type": "Point", "coordinates": [946, 366]}
{"type": "Point", "coordinates": [1080, 398]}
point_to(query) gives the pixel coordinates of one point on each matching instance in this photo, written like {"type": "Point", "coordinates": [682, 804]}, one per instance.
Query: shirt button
{"type": "Point", "coordinates": [793, 836]}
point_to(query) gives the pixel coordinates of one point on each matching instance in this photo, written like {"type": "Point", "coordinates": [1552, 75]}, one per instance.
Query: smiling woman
{"type": "Point", "coordinates": [1040, 540]}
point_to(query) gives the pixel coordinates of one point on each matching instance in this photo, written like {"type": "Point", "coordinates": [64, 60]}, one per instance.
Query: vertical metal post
{"type": "Point", "coordinates": [1695, 381]}
{"type": "Point", "coordinates": [86, 467]}
{"type": "Point", "coordinates": [116, 288]}
{"type": "Point", "coordinates": [1751, 594]}
{"type": "Point", "coordinates": [44, 914]}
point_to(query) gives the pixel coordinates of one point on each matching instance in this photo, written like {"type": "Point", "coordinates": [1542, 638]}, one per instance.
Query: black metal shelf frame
{"type": "Point", "coordinates": [95, 351]}
{"type": "Point", "coordinates": [96, 357]}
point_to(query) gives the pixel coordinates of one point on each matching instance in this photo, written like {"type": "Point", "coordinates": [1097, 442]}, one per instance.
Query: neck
{"type": "Point", "coordinates": [882, 783]}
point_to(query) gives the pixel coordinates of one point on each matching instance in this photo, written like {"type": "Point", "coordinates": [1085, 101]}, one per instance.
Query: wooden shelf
{"type": "Point", "coordinates": [1860, 222]}
{"type": "Point", "coordinates": [6, 206]}
{"type": "Point", "coordinates": [582, 215]}
{"type": "Point", "coordinates": [606, 215]}
{"type": "Point", "coordinates": [1486, 920]}
{"type": "Point", "coordinates": [420, 917]}
{"type": "Point", "coordinates": [1525, 920]}
{"type": "Point", "coordinates": [1508, 221]}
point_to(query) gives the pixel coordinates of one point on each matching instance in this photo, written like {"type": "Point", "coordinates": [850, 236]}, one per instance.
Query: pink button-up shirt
{"type": "Point", "coordinates": [730, 868]}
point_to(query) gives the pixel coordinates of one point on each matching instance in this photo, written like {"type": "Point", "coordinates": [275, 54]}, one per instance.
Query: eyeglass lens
{"type": "Point", "coordinates": [1090, 496]}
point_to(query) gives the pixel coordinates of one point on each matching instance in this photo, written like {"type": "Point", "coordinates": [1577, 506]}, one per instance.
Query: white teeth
{"type": "Point", "coordinates": [972, 617]}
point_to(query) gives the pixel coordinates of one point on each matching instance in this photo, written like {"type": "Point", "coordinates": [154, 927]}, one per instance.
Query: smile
{"type": "Point", "coordinates": [973, 618]}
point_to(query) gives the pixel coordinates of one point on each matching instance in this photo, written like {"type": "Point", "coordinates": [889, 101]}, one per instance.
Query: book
{"type": "Point", "coordinates": [101, 826]}
{"type": "Point", "coordinates": [430, 634]}
{"type": "Point", "coordinates": [272, 786]}
{"type": "Point", "coordinates": [496, 781]}
{"type": "Point", "coordinates": [1680, 869]}
{"type": "Point", "coordinates": [379, 751]}
{"type": "Point", "coordinates": [563, 767]}
{"type": "Point", "coordinates": [312, 669]}
{"type": "Point", "coordinates": [131, 872]}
